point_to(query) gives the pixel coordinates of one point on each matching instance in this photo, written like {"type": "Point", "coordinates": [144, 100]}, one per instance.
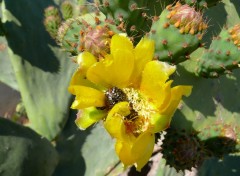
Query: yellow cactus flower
{"type": "Point", "coordinates": [130, 92]}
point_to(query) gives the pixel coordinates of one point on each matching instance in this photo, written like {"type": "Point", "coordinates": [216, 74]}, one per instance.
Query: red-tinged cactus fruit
{"type": "Point", "coordinates": [51, 11]}
{"type": "Point", "coordinates": [235, 35]}
{"type": "Point", "coordinates": [96, 40]}
{"type": "Point", "coordinates": [186, 18]}
{"type": "Point", "coordinates": [52, 21]}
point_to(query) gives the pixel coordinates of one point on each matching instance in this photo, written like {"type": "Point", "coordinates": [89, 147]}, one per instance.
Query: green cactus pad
{"type": "Point", "coordinates": [42, 71]}
{"type": "Point", "coordinates": [174, 41]}
{"type": "Point", "coordinates": [7, 75]}
{"type": "Point", "coordinates": [23, 152]}
{"type": "Point", "coordinates": [221, 57]}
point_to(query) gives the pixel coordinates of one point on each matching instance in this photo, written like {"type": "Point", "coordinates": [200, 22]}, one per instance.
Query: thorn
{"type": "Point", "coordinates": [169, 7]}
{"type": "Point", "coordinates": [155, 18]}
{"type": "Point", "coordinates": [200, 36]}
{"type": "Point", "coordinates": [228, 40]}
{"type": "Point", "coordinates": [106, 3]}
{"type": "Point", "coordinates": [133, 7]}
{"type": "Point", "coordinates": [110, 33]}
{"type": "Point", "coordinates": [228, 53]}
{"type": "Point", "coordinates": [192, 31]}
{"type": "Point", "coordinates": [182, 30]}
{"type": "Point", "coordinates": [133, 28]}
{"type": "Point", "coordinates": [228, 72]}
{"type": "Point", "coordinates": [110, 21]}
{"type": "Point", "coordinates": [153, 31]}
{"type": "Point", "coordinates": [215, 74]}
{"type": "Point", "coordinates": [164, 42]}
{"type": "Point", "coordinates": [166, 25]}
{"type": "Point", "coordinates": [235, 63]}
{"type": "Point", "coordinates": [97, 21]}
{"type": "Point", "coordinates": [223, 66]}
{"type": "Point", "coordinates": [170, 54]}
{"type": "Point", "coordinates": [185, 45]}
{"type": "Point", "coordinates": [177, 24]}
{"type": "Point", "coordinates": [201, 45]}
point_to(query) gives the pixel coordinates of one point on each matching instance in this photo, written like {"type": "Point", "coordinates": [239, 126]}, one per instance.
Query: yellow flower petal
{"type": "Point", "coordinates": [120, 42]}
{"type": "Point", "coordinates": [143, 53]}
{"type": "Point", "coordinates": [176, 96]}
{"type": "Point", "coordinates": [114, 122]}
{"type": "Point", "coordinates": [85, 60]}
{"type": "Point", "coordinates": [87, 97]}
{"type": "Point", "coordinates": [142, 149]}
{"type": "Point", "coordinates": [88, 116]}
{"type": "Point", "coordinates": [123, 150]}
{"type": "Point", "coordinates": [160, 122]}
{"type": "Point", "coordinates": [78, 79]}
{"type": "Point", "coordinates": [114, 70]}
{"type": "Point", "coordinates": [154, 79]}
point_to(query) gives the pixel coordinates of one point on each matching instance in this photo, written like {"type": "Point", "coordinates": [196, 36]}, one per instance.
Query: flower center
{"type": "Point", "coordinates": [140, 109]}
{"type": "Point", "coordinates": [113, 96]}
{"type": "Point", "coordinates": [140, 112]}
{"type": "Point", "coordinates": [139, 103]}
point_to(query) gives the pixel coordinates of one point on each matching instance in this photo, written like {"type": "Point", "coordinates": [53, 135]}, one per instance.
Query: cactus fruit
{"type": "Point", "coordinates": [67, 10]}
{"type": "Point", "coordinates": [182, 150]}
{"type": "Point", "coordinates": [177, 33]}
{"type": "Point", "coordinates": [222, 55]}
{"type": "Point", "coordinates": [52, 20]}
{"type": "Point", "coordinates": [90, 32]}
{"type": "Point", "coordinates": [96, 40]}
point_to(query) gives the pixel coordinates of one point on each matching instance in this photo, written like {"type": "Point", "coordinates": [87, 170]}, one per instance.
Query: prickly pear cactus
{"type": "Point", "coordinates": [198, 38]}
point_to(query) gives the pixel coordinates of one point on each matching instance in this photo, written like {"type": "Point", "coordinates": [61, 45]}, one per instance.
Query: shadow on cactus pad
{"type": "Point", "coordinates": [23, 152]}
{"type": "Point", "coordinates": [228, 166]}
{"type": "Point", "coordinates": [89, 152]}
{"type": "Point", "coordinates": [237, 5]}
{"type": "Point", "coordinates": [27, 41]}
{"type": "Point", "coordinates": [218, 146]}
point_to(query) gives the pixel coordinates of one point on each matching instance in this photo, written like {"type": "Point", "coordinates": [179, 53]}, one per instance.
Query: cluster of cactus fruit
{"type": "Point", "coordinates": [204, 126]}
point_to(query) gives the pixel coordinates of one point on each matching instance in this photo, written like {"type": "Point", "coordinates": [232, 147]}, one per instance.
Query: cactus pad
{"type": "Point", "coordinates": [177, 33]}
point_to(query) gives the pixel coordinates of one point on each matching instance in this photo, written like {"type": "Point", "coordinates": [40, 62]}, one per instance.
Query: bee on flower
{"type": "Point", "coordinates": [130, 92]}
